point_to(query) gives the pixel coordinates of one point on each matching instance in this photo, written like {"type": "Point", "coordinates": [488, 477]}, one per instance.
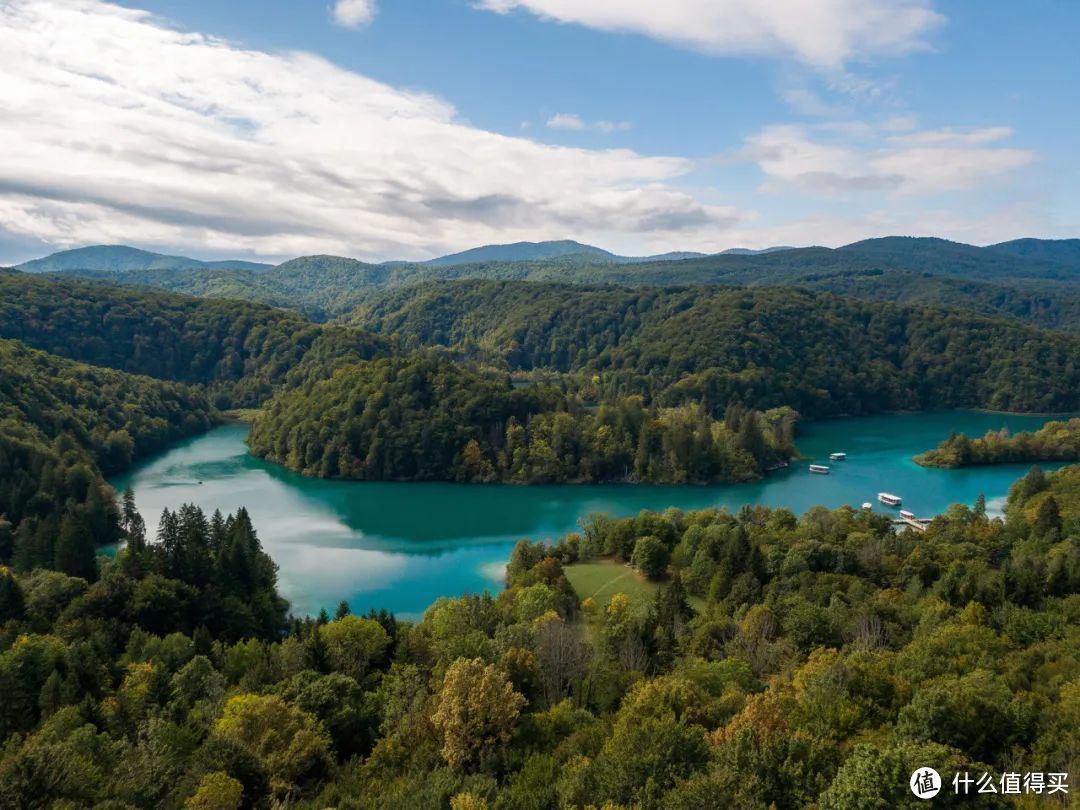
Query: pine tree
{"type": "Point", "coordinates": [128, 512]}
{"type": "Point", "coordinates": [7, 540]}
{"type": "Point", "coordinates": [74, 553]}
{"type": "Point", "coordinates": [1047, 518]}
{"type": "Point", "coordinates": [11, 597]}
{"type": "Point", "coordinates": [980, 506]}
{"type": "Point", "coordinates": [342, 610]}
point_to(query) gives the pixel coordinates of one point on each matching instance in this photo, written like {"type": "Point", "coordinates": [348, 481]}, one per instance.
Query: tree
{"type": "Point", "coordinates": [217, 791]}
{"type": "Point", "coordinates": [291, 745]}
{"type": "Point", "coordinates": [974, 713]}
{"type": "Point", "coordinates": [12, 602]}
{"type": "Point", "coordinates": [354, 644]}
{"type": "Point", "coordinates": [879, 777]}
{"type": "Point", "coordinates": [75, 553]}
{"type": "Point", "coordinates": [7, 540]}
{"type": "Point", "coordinates": [476, 711]}
{"type": "Point", "coordinates": [1047, 517]}
{"type": "Point", "coordinates": [342, 610]}
{"type": "Point", "coordinates": [347, 712]}
{"type": "Point", "coordinates": [468, 801]}
{"type": "Point", "coordinates": [651, 557]}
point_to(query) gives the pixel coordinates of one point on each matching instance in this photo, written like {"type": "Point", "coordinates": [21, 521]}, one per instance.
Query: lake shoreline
{"type": "Point", "coordinates": [401, 546]}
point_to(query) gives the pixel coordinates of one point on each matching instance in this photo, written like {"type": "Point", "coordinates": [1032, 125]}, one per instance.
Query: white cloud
{"type": "Point", "coordinates": [573, 121]}
{"type": "Point", "coordinates": [923, 162]}
{"type": "Point", "coordinates": [117, 127]}
{"type": "Point", "coordinates": [565, 121]}
{"type": "Point", "coordinates": [354, 13]}
{"type": "Point", "coordinates": [824, 33]}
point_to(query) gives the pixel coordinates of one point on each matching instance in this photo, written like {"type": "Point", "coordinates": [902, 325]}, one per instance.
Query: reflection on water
{"type": "Point", "coordinates": [401, 546]}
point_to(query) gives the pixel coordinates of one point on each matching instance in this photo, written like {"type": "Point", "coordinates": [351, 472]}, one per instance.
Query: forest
{"type": "Point", "coordinates": [783, 661]}
{"type": "Point", "coordinates": [829, 655]}
{"type": "Point", "coordinates": [818, 353]}
{"type": "Point", "coordinates": [1054, 441]}
{"type": "Point", "coordinates": [62, 425]}
{"type": "Point", "coordinates": [239, 352]}
{"type": "Point", "coordinates": [425, 417]}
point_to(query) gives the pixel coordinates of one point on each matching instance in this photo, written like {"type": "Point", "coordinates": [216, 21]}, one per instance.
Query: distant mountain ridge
{"type": "Point", "coordinates": [122, 258]}
{"type": "Point", "coordinates": [1066, 251]}
{"type": "Point", "coordinates": [1038, 258]}
{"type": "Point", "coordinates": [752, 252]}
{"type": "Point", "coordinates": [540, 251]}
{"type": "Point", "coordinates": [566, 248]}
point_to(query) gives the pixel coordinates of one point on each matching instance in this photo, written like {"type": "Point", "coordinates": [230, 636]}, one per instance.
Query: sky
{"type": "Point", "coordinates": [406, 129]}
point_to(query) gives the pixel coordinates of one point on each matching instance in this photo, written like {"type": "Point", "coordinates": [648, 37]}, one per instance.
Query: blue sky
{"type": "Point", "coordinates": [385, 129]}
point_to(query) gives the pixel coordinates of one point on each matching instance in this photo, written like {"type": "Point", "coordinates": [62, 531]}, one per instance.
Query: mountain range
{"type": "Point", "coordinates": [1032, 280]}
{"type": "Point", "coordinates": [911, 250]}
{"type": "Point", "coordinates": [121, 258]}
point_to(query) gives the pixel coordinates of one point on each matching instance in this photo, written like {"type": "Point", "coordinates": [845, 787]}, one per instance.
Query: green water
{"type": "Point", "coordinates": [400, 546]}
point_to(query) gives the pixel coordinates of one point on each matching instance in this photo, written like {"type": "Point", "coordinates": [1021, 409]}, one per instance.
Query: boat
{"type": "Point", "coordinates": [868, 506]}
{"type": "Point", "coordinates": [819, 468]}
{"type": "Point", "coordinates": [889, 499]}
{"type": "Point", "coordinates": [906, 515]}
{"type": "Point", "coordinates": [837, 456]}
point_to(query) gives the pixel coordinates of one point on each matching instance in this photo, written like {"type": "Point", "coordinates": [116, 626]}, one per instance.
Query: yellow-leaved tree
{"type": "Point", "coordinates": [477, 709]}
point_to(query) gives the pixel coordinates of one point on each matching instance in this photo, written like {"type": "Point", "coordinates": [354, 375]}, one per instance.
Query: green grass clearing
{"type": "Point", "coordinates": [602, 579]}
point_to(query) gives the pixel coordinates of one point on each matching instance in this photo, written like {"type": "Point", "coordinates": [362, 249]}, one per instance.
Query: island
{"type": "Point", "coordinates": [1054, 441]}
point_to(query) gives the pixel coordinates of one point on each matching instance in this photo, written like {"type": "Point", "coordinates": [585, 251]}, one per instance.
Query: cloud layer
{"type": "Point", "coordinates": [824, 33]}
{"type": "Point", "coordinates": [119, 127]}
{"type": "Point", "coordinates": [925, 163]}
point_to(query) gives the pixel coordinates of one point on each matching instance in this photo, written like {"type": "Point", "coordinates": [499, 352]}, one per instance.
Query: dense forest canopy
{"type": "Point", "coordinates": [783, 662]}
{"type": "Point", "coordinates": [818, 353]}
{"type": "Point", "coordinates": [1054, 441]}
{"type": "Point", "coordinates": [62, 425]}
{"type": "Point", "coordinates": [426, 417]}
{"type": "Point", "coordinates": [239, 351]}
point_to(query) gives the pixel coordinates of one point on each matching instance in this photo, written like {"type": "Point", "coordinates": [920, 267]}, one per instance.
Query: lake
{"type": "Point", "coordinates": [401, 546]}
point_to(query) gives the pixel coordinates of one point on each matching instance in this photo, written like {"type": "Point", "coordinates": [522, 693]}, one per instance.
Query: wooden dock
{"type": "Point", "coordinates": [918, 524]}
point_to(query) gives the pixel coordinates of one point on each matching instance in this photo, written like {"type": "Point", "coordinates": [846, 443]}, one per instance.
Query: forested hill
{"type": "Point", "coordinates": [62, 424]}
{"type": "Point", "coordinates": [537, 251]}
{"type": "Point", "coordinates": [117, 258]}
{"type": "Point", "coordinates": [1065, 251]}
{"type": "Point", "coordinates": [240, 351]}
{"type": "Point", "coordinates": [1043, 303]}
{"type": "Point", "coordinates": [819, 353]}
{"type": "Point", "coordinates": [1032, 280]}
{"type": "Point", "coordinates": [427, 418]}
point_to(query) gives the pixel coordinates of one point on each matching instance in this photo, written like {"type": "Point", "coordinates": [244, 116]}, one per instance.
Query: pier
{"type": "Point", "coordinates": [918, 524]}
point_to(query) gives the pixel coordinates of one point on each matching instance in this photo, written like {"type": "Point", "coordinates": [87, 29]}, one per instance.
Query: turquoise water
{"type": "Point", "coordinates": [401, 546]}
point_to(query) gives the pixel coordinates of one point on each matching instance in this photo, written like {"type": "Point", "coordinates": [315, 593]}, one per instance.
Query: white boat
{"type": "Point", "coordinates": [838, 456]}
{"type": "Point", "coordinates": [889, 499]}
{"type": "Point", "coordinates": [819, 468]}
{"type": "Point", "coordinates": [904, 513]}
{"type": "Point", "coordinates": [868, 506]}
